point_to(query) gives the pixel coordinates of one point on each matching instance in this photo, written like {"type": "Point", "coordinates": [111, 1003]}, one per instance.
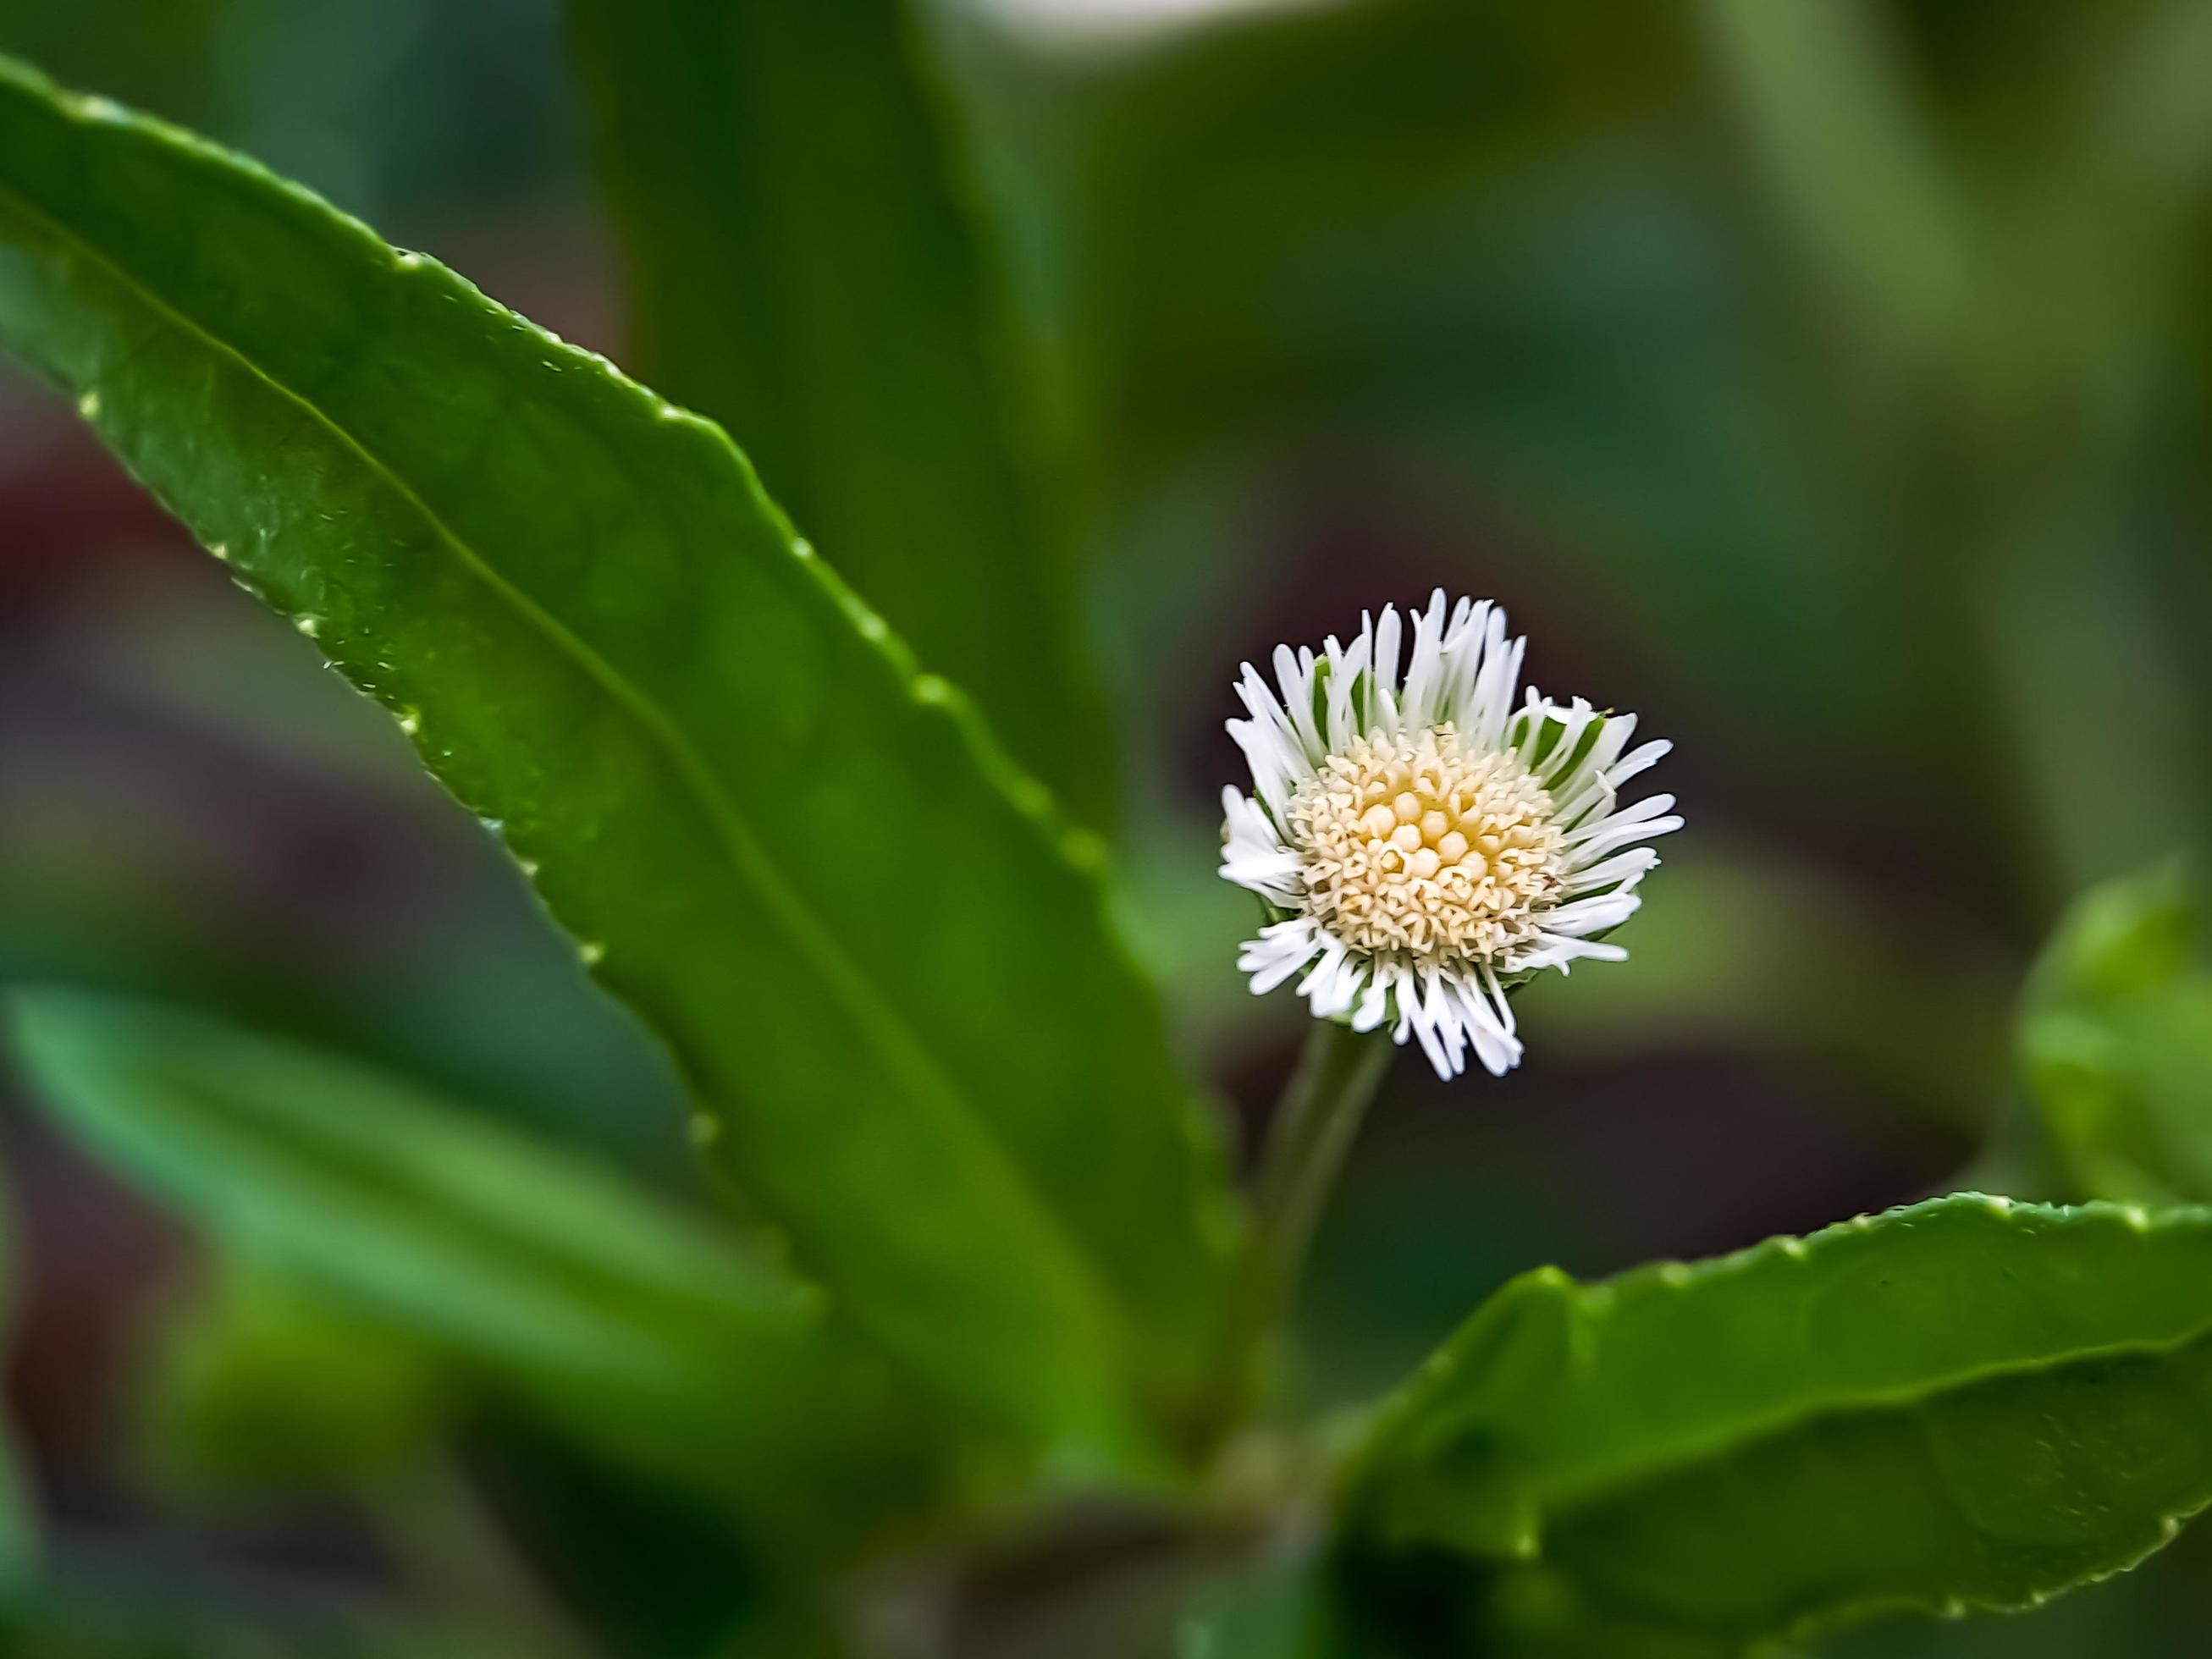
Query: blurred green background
{"type": "Point", "coordinates": [1827, 383]}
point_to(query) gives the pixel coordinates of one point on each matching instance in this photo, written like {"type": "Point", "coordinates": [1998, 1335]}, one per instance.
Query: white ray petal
{"type": "Point", "coordinates": [1384, 931]}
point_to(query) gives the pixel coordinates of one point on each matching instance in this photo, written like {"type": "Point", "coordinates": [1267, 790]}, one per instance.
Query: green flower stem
{"type": "Point", "coordinates": [1313, 1129]}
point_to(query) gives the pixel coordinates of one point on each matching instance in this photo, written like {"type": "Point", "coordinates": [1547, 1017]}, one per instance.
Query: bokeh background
{"type": "Point", "coordinates": [1827, 383]}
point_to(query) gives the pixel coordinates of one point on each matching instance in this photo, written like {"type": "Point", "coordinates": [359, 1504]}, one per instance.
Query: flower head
{"type": "Point", "coordinates": [1424, 845]}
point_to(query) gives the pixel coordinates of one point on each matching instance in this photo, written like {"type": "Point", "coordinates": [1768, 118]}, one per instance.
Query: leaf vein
{"type": "Point", "coordinates": [901, 1048]}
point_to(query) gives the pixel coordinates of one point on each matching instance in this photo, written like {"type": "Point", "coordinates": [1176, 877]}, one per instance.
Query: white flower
{"type": "Point", "coordinates": [1425, 845]}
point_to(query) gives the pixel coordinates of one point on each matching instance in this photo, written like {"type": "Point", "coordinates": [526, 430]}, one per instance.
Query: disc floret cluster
{"type": "Point", "coordinates": [1423, 845]}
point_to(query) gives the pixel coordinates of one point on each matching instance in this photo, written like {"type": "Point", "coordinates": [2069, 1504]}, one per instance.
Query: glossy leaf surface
{"type": "Point", "coordinates": [811, 264]}
{"type": "Point", "coordinates": [1961, 1404]}
{"type": "Point", "coordinates": [880, 963]}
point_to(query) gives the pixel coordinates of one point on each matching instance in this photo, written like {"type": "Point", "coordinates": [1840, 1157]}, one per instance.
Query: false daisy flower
{"type": "Point", "coordinates": [1423, 845]}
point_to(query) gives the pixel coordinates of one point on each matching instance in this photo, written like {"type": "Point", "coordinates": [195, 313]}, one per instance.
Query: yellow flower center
{"type": "Point", "coordinates": [1422, 848]}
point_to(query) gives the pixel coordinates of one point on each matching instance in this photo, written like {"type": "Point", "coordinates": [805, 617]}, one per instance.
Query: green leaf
{"type": "Point", "coordinates": [1963, 1404]}
{"type": "Point", "coordinates": [2116, 1036]}
{"type": "Point", "coordinates": [880, 963]}
{"type": "Point", "coordinates": [808, 265]}
{"type": "Point", "coordinates": [632, 1326]}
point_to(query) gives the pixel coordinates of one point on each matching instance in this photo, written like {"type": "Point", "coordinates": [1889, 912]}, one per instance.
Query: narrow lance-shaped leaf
{"type": "Point", "coordinates": [881, 966]}
{"type": "Point", "coordinates": [1963, 1404]}
{"type": "Point", "coordinates": [647, 1333]}
{"type": "Point", "coordinates": [809, 264]}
